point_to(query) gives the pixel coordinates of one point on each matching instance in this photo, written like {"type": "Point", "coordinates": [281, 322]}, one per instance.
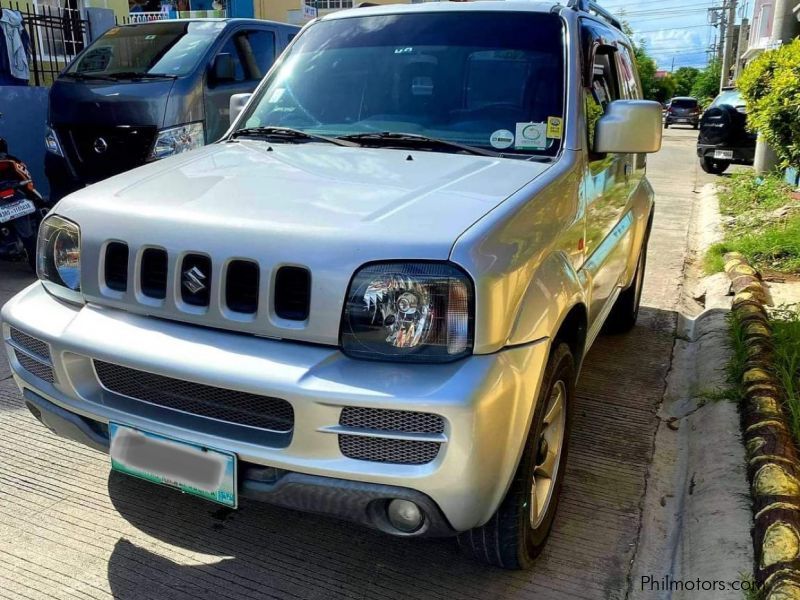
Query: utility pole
{"type": "Point", "coordinates": [741, 47]}
{"type": "Point", "coordinates": [784, 27]}
{"type": "Point", "coordinates": [727, 56]}
{"type": "Point", "coordinates": [723, 23]}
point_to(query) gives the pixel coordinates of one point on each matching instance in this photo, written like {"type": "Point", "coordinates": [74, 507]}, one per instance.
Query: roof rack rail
{"type": "Point", "coordinates": [595, 9]}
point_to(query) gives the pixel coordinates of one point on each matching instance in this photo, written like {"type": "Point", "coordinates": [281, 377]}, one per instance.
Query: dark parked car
{"type": "Point", "coordinates": [683, 110]}
{"type": "Point", "coordinates": [147, 91]}
{"type": "Point", "coordinates": [724, 139]}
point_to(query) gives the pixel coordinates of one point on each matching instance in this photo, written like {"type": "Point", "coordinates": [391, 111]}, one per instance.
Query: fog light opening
{"type": "Point", "coordinates": [404, 515]}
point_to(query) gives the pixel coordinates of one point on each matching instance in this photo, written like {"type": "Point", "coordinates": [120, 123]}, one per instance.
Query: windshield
{"type": "Point", "coordinates": [163, 48]}
{"type": "Point", "coordinates": [683, 103]}
{"type": "Point", "coordinates": [729, 97]}
{"type": "Point", "coordinates": [488, 79]}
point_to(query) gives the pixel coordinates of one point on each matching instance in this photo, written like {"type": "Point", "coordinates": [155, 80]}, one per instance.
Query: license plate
{"type": "Point", "coordinates": [682, 120]}
{"type": "Point", "coordinates": [16, 209]}
{"type": "Point", "coordinates": [203, 472]}
{"type": "Point", "coordinates": [725, 154]}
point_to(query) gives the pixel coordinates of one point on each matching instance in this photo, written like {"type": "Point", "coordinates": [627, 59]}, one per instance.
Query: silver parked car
{"type": "Point", "coordinates": [372, 297]}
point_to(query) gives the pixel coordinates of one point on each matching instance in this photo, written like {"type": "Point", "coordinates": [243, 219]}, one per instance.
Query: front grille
{"type": "Point", "coordinates": [382, 450]}
{"type": "Point", "coordinates": [241, 286]}
{"type": "Point", "coordinates": [391, 420]}
{"type": "Point", "coordinates": [231, 406]}
{"type": "Point", "coordinates": [292, 293]}
{"type": "Point", "coordinates": [31, 344]}
{"type": "Point", "coordinates": [154, 273]}
{"type": "Point", "coordinates": [116, 266]}
{"type": "Point", "coordinates": [39, 369]}
{"type": "Point", "coordinates": [100, 152]}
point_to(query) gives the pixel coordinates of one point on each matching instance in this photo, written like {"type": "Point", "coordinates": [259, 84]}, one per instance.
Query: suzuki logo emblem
{"type": "Point", "coordinates": [194, 280]}
{"type": "Point", "coordinates": [100, 145]}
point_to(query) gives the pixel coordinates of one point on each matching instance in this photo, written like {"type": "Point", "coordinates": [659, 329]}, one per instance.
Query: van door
{"type": "Point", "coordinates": [252, 52]}
{"type": "Point", "coordinates": [606, 187]}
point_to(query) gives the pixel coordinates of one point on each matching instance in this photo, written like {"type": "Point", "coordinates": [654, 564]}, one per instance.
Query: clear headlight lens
{"type": "Point", "coordinates": [178, 139]}
{"type": "Point", "coordinates": [414, 312]}
{"type": "Point", "coordinates": [51, 143]}
{"type": "Point", "coordinates": [58, 256]}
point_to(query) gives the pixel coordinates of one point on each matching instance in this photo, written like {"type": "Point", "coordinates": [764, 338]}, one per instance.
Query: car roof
{"type": "Point", "coordinates": [425, 7]}
{"type": "Point", "coordinates": [226, 21]}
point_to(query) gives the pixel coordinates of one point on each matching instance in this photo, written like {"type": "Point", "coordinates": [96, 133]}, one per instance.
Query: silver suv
{"type": "Point", "coordinates": [372, 297]}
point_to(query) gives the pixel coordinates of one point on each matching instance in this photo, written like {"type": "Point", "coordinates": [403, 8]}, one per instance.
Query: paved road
{"type": "Point", "coordinates": [71, 529]}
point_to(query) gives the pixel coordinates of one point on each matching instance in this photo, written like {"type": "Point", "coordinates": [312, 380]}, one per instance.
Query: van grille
{"type": "Point", "coordinates": [100, 152]}
{"type": "Point", "coordinates": [231, 406]}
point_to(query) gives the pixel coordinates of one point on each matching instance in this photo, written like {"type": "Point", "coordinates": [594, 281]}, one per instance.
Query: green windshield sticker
{"type": "Point", "coordinates": [531, 136]}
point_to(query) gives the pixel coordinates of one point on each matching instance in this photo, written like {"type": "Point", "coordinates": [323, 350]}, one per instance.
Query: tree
{"type": "Point", "coordinates": [706, 84]}
{"type": "Point", "coordinates": [684, 80]}
{"type": "Point", "coordinates": [770, 85]}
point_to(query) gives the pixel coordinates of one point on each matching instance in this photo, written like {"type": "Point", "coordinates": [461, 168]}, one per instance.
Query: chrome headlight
{"type": "Point", "coordinates": [51, 142]}
{"type": "Point", "coordinates": [58, 256]}
{"type": "Point", "coordinates": [175, 140]}
{"type": "Point", "coordinates": [405, 311]}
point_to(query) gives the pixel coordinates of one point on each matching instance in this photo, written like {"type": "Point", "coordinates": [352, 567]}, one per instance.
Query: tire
{"type": "Point", "coordinates": [696, 126]}
{"type": "Point", "coordinates": [511, 539]}
{"type": "Point", "coordinates": [714, 167]}
{"type": "Point", "coordinates": [623, 315]}
{"type": "Point", "coordinates": [666, 125]}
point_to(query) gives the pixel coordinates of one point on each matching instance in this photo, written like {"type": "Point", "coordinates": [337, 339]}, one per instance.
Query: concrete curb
{"type": "Point", "coordinates": [772, 458]}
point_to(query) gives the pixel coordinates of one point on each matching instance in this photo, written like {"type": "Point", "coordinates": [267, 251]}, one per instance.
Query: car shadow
{"type": "Point", "coordinates": [184, 547]}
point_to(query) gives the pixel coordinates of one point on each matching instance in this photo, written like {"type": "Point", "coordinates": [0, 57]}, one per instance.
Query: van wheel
{"type": "Point", "coordinates": [626, 309]}
{"type": "Point", "coordinates": [517, 532]}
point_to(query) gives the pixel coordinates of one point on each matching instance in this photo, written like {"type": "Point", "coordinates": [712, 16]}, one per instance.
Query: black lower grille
{"type": "Point", "coordinates": [39, 369]}
{"type": "Point", "coordinates": [391, 420]}
{"type": "Point", "coordinates": [31, 344]}
{"type": "Point", "coordinates": [240, 408]}
{"type": "Point", "coordinates": [100, 152]}
{"type": "Point", "coordinates": [383, 450]}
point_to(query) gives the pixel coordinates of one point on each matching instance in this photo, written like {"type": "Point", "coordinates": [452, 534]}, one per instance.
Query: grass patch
{"type": "Point", "coordinates": [768, 241]}
{"type": "Point", "coordinates": [786, 336]}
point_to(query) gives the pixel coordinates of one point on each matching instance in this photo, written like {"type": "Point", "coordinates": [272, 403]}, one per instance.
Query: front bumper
{"type": "Point", "coordinates": [486, 402]}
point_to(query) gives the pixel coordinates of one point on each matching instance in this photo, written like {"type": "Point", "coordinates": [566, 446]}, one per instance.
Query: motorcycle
{"type": "Point", "coordinates": [22, 209]}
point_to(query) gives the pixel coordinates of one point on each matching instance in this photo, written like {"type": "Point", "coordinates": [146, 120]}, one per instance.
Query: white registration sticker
{"type": "Point", "coordinates": [16, 209]}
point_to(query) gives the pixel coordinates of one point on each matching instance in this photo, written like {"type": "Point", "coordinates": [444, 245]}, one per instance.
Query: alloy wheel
{"type": "Point", "coordinates": [548, 455]}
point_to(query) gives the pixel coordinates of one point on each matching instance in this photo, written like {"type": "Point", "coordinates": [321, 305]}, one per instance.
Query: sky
{"type": "Point", "coordinates": [676, 31]}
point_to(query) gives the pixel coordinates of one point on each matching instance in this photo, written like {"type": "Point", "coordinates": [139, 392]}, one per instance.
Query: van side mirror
{"type": "Point", "coordinates": [236, 104]}
{"type": "Point", "coordinates": [629, 126]}
{"type": "Point", "coordinates": [223, 68]}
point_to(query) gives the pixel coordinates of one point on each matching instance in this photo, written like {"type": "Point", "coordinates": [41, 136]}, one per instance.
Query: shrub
{"type": "Point", "coordinates": [771, 87]}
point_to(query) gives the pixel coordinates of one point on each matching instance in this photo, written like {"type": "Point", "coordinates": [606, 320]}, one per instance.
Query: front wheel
{"type": "Point", "coordinates": [714, 167]}
{"type": "Point", "coordinates": [517, 532]}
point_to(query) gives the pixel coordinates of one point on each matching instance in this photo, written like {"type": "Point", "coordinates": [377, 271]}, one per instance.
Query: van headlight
{"type": "Point", "coordinates": [175, 140]}
{"type": "Point", "coordinates": [51, 142]}
{"type": "Point", "coordinates": [58, 255]}
{"type": "Point", "coordinates": [407, 311]}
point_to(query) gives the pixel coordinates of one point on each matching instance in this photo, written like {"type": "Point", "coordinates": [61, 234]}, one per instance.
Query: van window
{"type": "Point", "coordinates": [232, 48]}
{"type": "Point", "coordinates": [262, 46]}
{"type": "Point", "coordinates": [162, 48]}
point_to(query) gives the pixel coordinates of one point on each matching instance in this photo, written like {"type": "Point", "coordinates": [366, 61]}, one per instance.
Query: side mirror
{"type": "Point", "coordinates": [629, 126]}
{"type": "Point", "coordinates": [223, 68]}
{"type": "Point", "coordinates": [236, 104]}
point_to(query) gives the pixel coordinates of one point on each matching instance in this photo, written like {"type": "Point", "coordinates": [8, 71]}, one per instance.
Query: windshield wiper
{"type": "Point", "coordinates": [287, 134]}
{"type": "Point", "coordinates": [413, 140]}
{"type": "Point", "coordinates": [87, 77]}
{"type": "Point", "coordinates": [137, 75]}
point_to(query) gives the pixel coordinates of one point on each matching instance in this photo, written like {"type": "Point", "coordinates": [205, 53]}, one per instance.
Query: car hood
{"type": "Point", "coordinates": [328, 208]}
